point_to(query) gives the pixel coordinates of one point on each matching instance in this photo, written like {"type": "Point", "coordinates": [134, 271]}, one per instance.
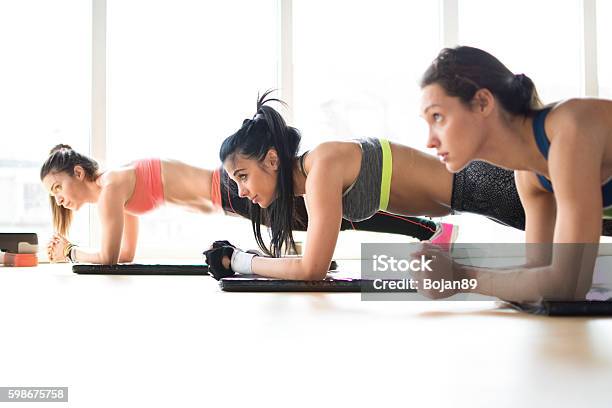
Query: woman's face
{"type": "Point", "coordinates": [455, 130]}
{"type": "Point", "coordinates": [256, 180]}
{"type": "Point", "coordinates": [68, 191]}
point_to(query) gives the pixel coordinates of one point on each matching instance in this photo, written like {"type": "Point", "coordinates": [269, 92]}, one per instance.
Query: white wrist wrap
{"type": "Point", "coordinates": [241, 261]}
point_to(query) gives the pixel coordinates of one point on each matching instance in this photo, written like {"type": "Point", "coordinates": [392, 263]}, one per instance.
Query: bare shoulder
{"type": "Point", "coordinates": [331, 148]}
{"type": "Point", "coordinates": [580, 129]}
{"type": "Point", "coordinates": [580, 114]}
{"type": "Point", "coordinates": [583, 106]}
{"type": "Point", "coordinates": [335, 152]}
{"type": "Point", "coordinates": [341, 159]}
{"type": "Point", "coordinates": [120, 180]}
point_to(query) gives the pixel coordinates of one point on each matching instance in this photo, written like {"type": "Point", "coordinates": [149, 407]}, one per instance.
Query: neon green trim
{"type": "Point", "coordinates": [607, 213]}
{"type": "Point", "coordinates": [387, 171]}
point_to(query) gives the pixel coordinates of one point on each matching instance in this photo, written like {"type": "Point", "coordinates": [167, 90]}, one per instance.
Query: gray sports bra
{"type": "Point", "coordinates": [363, 198]}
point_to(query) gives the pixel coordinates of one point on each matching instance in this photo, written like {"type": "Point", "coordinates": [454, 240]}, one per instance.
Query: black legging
{"type": "Point", "coordinates": [480, 188]}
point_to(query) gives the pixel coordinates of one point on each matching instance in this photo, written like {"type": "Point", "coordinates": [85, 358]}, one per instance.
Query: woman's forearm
{"type": "Point", "coordinates": [95, 256]}
{"type": "Point", "coordinates": [293, 268]}
{"type": "Point", "coordinates": [525, 284]}
{"type": "Point", "coordinates": [85, 256]}
{"type": "Point", "coordinates": [511, 284]}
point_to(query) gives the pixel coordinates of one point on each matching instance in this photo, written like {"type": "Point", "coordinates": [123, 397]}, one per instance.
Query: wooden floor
{"type": "Point", "coordinates": [159, 341]}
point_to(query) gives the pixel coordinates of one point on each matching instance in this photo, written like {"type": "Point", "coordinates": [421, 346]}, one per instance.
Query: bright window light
{"type": "Point", "coordinates": [182, 76]}
{"type": "Point", "coordinates": [604, 47]}
{"type": "Point", "coordinates": [525, 37]}
{"type": "Point", "coordinates": [357, 67]}
{"type": "Point", "coordinates": [45, 82]}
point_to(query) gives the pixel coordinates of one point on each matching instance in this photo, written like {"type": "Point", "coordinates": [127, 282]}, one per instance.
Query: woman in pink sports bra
{"type": "Point", "coordinates": [122, 194]}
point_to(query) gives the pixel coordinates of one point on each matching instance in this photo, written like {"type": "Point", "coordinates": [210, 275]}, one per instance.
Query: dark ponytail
{"type": "Point", "coordinates": [462, 71]}
{"type": "Point", "coordinates": [62, 158]}
{"type": "Point", "coordinates": [254, 139]}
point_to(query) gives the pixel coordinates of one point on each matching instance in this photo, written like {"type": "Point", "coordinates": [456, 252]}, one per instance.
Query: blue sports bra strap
{"type": "Point", "coordinates": [545, 183]}
{"type": "Point", "coordinates": [540, 133]}
{"type": "Point", "coordinates": [606, 193]}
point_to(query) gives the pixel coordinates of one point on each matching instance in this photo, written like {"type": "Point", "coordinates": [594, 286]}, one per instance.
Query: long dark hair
{"type": "Point", "coordinates": [254, 139]}
{"type": "Point", "coordinates": [62, 158]}
{"type": "Point", "coordinates": [462, 71]}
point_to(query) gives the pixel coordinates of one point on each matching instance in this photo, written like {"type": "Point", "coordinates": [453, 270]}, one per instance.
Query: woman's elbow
{"type": "Point", "coordinates": [562, 289]}
{"type": "Point", "coordinates": [109, 259]}
{"type": "Point", "coordinates": [126, 258]}
{"type": "Point", "coordinates": [127, 255]}
{"type": "Point", "coordinates": [315, 272]}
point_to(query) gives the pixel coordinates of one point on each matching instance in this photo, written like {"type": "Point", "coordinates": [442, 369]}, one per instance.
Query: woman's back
{"type": "Point", "coordinates": [186, 185]}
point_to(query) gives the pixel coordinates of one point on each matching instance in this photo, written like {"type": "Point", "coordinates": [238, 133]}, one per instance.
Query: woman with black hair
{"type": "Point", "coordinates": [349, 180]}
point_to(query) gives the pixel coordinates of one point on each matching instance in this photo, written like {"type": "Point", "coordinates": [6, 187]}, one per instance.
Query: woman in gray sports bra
{"type": "Point", "coordinates": [350, 180]}
{"type": "Point", "coordinates": [361, 200]}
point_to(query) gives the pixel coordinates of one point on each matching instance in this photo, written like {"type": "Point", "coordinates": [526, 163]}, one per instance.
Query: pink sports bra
{"type": "Point", "coordinates": [148, 192]}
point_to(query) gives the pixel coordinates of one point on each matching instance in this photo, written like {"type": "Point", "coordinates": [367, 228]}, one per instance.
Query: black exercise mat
{"type": "Point", "coordinates": [256, 283]}
{"type": "Point", "coordinates": [146, 269]}
{"type": "Point", "coordinates": [139, 269]}
{"type": "Point", "coordinates": [558, 308]}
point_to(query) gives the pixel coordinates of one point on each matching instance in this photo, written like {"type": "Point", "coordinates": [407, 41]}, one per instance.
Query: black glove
{"type": "Point", "coordinates": [214, 259]}
{"type": "Point", "coordinates": [219, 244]}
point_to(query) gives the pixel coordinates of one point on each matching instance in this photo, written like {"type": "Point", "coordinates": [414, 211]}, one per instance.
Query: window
{"type": "Point", "coordinates": [357, 67]}
{"type": "Point", "coordinates": [527, 40]}
{"type": "Point", "coordinates": [45, 100]}
{"type": "Point", "coordinates": [182, 76]}
{"type": "Point", "coordinates": [604, 48]}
